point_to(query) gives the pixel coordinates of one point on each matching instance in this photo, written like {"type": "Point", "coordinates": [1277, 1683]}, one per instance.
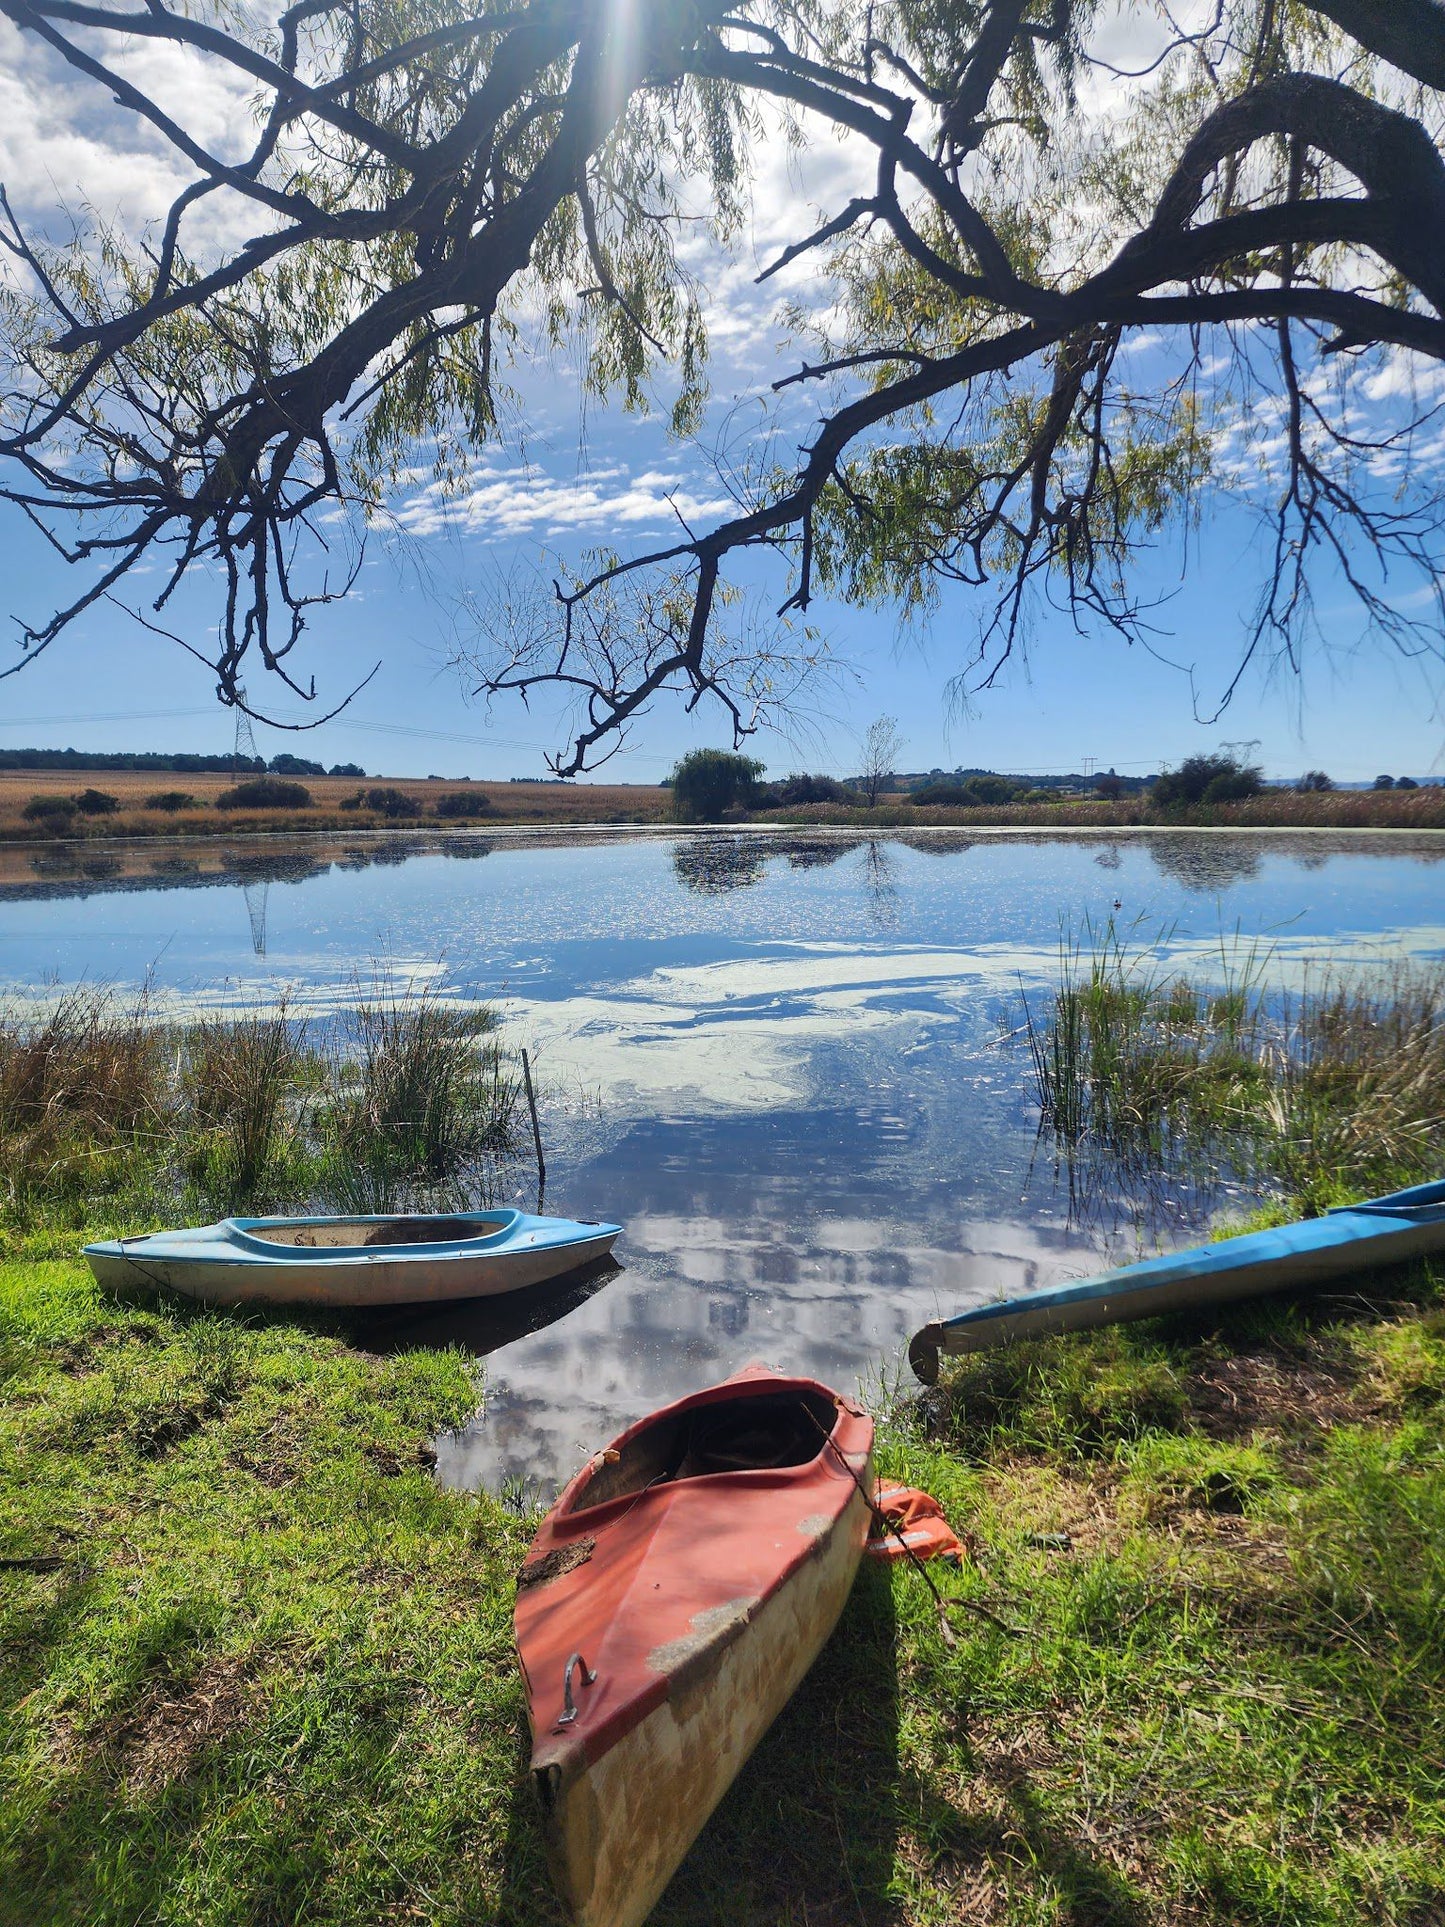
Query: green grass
{"type": "Point", "coordinates": [255, 1667]}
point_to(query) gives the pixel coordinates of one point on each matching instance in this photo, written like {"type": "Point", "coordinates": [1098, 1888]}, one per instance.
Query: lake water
{"type": "Point", "coordinates": [782, 1060]}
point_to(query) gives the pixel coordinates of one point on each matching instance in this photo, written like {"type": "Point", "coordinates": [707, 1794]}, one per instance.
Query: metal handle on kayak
{"type": "Point", "coordinates": [569, 1705]}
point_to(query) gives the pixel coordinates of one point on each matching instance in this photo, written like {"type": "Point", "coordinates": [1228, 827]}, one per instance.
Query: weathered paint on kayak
{"type": "Point", "coordinates": [1385, 1231]}
{"type": "Point", "coordinates": [354, 1262]}
{"type": "Point", "coordinates": [676, 1609]}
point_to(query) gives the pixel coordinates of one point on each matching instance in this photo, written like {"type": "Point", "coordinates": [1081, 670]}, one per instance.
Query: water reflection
{"type": "Point", "coordinates": [1209, 864]}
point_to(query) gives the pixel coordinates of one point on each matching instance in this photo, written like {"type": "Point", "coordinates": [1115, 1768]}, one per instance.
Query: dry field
{"type": "Point", "coordinates": [539, 803]}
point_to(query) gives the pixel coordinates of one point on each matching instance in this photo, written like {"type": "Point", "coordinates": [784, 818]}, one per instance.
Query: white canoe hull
{"type": "Point", "coordinates": [236, 1270]}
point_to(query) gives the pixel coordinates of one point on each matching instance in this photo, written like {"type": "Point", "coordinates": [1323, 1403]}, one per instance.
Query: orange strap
{"type": "Point", "coordinates": [915, 1525]}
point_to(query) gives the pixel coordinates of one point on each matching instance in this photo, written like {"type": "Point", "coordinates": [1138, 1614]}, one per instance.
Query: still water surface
{"type": "Point", "coordinates": [783, 1061]}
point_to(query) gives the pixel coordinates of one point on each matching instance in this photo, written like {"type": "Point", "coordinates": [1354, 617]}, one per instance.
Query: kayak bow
{"type": "Point", "coordinates": [1357, 1237]}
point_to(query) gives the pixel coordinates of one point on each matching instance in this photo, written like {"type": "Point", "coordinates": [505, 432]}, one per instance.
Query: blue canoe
{"type": "Point", "coordinates": [1356, 1237]}
{"type": "Point", "coordinates": [421, 1259]}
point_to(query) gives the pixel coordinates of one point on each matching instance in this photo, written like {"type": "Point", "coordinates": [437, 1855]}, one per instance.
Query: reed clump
{"type": "Point", "coordinates": [109, 1114]}
{"type": "Point", "coordinates": [423, 1093]}
{"type": "Point", "coordinates": [1332, 1086]}
{"type": "Point", "coordinates": [242, 1085]}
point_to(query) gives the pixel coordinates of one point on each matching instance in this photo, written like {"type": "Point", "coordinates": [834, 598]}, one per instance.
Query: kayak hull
{"type": "Point", "coordinates": [687, 1679]}
{"type": "Point", "coordinates": [1386, 1231]}
{"type": "Point", "coordinates": [292, 1262]}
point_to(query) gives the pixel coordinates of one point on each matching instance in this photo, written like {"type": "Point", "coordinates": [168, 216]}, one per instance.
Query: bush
{"type": "Point", "coordinates": [1109, 786]}
{"type": "Point", "coordinates": [1225, 774]}
{"type": "Point", "coordinates": [384, 800]}
{"type": "Point", "coordinates": [54, 810]}
{"type": "Point", "coordinates": [265, 793]}
{"type": "Point", "coordinates": [172, 800]}
{"type": "Point", "coordinates": [1313, 781]}
{"type": "Point", "coordinates": [463, 803]}
{"type": "Point", "coordinates": [709, 781]}
{"type": "Point", "coordinates": [811, 789]}
{"type": "Point", "coordinates": [97, 803]}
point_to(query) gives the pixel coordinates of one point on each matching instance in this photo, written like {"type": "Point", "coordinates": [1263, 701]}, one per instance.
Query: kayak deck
{"type": "Point", "coordinates": [671, 1602]}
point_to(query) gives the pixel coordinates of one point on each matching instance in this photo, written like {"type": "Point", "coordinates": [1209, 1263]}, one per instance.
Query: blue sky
{"type": "Point", "coordinates": [597, 477]}
{"type": "Point", "coordinates": [1354, 710]}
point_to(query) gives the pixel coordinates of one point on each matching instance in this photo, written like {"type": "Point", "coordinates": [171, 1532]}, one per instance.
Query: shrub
{"type": "Point", "coordinates": [709, 781]}
{"type": "Point", "coordinates": [1109, 786]}
{"type": "Point", "coordinates": [1313, 780]}
{"type": "Point", "coordinates": [384, 800]}
{"type": "Point", "coordinates": [52, 810]}
{"type": "Point", "coordinates": [265, 793]}
{"type": "Point", "coordinates": [172, 800]}
{"type": "Point", "coordinates": [97, 803]}
{"type": "Point", "coordinates": [1227, 775]}
{"type": "Point", "coordinates": [463, 803]}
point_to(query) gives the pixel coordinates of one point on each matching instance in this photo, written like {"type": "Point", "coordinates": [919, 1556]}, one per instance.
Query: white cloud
{"type": "Point", "coordinates": [497, 502]}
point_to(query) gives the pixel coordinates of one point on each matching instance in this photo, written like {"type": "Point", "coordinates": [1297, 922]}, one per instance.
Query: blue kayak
{"type": "Point", "coordinates": [417, 1259]}
{"type": "Point", "coordinates": [1356, 1237]}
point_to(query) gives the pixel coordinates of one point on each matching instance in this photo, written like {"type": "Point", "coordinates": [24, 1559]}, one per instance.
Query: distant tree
{"type": "Point", "coordinates": [1406, 783]}
{"type": "Point", "coordinates": [1384, 782]}
{"type": "Point", "coordinates": [97, 803]}
{"type": "Point", "coordinates": [265, 793]}
{"type": "Point", "coordinates": [708, 782]}
{"type": "Point", "coordinates": [1218, 777]}
{"type": "Point", "coordinates": [882, 747]}
{"type": "Point", "coordinates": [1314, 780]}
{"type": "Point", "coordinates": [979, 791]}
{"type": "Point", "coordinates": [811, 789]}
{"type": "Point", "coordinates": [351, 769]}
{"type": "Point", "coordinates": [1109, 786]}
{"type": "Point", "coordinates": [287, 765]}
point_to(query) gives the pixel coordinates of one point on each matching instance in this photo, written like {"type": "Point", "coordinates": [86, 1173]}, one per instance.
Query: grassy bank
{"type": "Point", "coordinates": [255, 1667]}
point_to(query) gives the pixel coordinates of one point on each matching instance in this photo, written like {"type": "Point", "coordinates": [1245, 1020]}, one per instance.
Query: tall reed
{"type": "Point", "coordinates": [109, 1114]}
{"type": "Point", "coordinates": [424, 1090]}
{"type": "Point", "coordinates": [1338, 1084]}
{"type": "Point", "coordinates": [242, 1078]}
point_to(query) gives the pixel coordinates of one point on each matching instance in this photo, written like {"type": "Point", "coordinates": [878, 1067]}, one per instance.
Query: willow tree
{"type": "Point", "coordinates": [1069, 304]}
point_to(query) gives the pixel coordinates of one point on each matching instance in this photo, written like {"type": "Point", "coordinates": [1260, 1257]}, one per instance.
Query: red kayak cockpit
{"type": "Point", "coordinates": [761, 1427]}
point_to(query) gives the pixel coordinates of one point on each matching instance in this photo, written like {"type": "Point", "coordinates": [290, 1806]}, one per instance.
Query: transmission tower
{"type": "Point", "coordinates": [246, 755]}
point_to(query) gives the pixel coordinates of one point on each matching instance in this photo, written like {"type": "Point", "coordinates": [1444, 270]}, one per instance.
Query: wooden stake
{"type": "Point", "coordinates": [536, 1128]}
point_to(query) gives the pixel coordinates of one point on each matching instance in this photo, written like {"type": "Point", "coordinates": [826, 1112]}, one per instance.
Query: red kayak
{"type": "Point", "coordinates": [674, 1597]}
